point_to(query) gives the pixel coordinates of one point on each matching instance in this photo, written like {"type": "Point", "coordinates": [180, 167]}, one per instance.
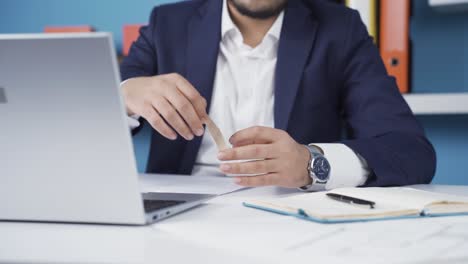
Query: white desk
{"type": "Point", "coordinates": [223, 231]}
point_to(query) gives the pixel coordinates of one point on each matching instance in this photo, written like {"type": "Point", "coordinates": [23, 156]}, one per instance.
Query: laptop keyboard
{"type": "Point", "coordinates": [153, 205]}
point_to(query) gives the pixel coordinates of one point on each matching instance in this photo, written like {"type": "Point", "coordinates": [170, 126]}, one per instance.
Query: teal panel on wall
{"type": "Point", "coordinates": [440, 50]}
{"type": "Point", "coordinates": [30, 16]}
{"type": "Point", "coordinates": [448, 134]}
{"type": "Point", "coordinates": [440, 65]}
{"type": "Point", "coordinates": [141, 142]}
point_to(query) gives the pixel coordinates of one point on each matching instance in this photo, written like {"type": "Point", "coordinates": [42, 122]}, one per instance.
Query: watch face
{"type": "Point", "coordinates": [321, 168]}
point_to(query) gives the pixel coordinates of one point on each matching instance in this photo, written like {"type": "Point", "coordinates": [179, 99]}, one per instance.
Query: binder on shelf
{"type": "Point", "coordinates": [368, 11]}
{"type": "Point", "coordinates": [130, 35]}
{"type": "Point", "coordinates": [394, 40]}
{"type": "Point", "coordinates": [68, 29]}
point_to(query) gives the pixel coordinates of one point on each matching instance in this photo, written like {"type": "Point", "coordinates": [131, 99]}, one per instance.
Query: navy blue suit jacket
{"type": "Point", "coordinates": [330, 84]}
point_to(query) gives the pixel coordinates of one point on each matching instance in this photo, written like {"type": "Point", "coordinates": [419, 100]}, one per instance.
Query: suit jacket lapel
{"type": "Point", "coordinates": [297, 37]}
{"type": "Point", "coordinates": [204, 34]}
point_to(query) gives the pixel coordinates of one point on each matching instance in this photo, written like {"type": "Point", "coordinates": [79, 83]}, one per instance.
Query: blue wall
{"type": "Point", "coordinates": [440, 64]}
{"type": "Point", "coordinates": [27, 16]}
{"type": "Point", "coordinates": [440, 60]}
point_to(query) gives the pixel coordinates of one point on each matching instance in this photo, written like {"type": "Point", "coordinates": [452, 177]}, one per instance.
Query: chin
{"type": "Point", "coordinates": [259, 9]}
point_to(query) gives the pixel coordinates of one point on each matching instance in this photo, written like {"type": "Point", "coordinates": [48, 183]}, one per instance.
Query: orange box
{"type": "Point", "coordinates": [130, 35]}
{"type": "Point", "coordinates": [68, 29]}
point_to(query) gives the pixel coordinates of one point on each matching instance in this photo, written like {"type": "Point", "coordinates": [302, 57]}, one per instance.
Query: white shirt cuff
{"type": "Point", "coordinates": [133, 121]}
{"type": "Point", "coordinates": [348, 169]}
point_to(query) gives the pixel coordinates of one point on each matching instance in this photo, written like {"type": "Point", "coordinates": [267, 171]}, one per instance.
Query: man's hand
{"type": "Point", "coordinates": [281, 159]}
{"type": "Point", "coordinates": [168, 102]}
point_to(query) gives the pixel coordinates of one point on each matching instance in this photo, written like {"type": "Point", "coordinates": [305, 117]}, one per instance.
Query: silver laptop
{"type": "Point", "coordinates": [65, 147]}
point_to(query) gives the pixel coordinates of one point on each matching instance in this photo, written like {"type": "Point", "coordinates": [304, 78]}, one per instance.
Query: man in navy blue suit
{"type": "Point", "coordinates": [285, 78]}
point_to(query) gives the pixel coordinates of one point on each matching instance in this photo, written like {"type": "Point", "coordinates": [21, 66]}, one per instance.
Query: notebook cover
{"type": "Point", "coordinates": [322, 221]}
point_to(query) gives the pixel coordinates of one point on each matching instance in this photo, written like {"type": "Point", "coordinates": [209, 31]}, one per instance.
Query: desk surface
{"type": "Point", "coordinates": [223, 231]}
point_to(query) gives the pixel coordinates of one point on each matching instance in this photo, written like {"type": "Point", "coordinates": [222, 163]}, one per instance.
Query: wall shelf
{"type": "Point", "coordinates": [449, 5]}
{"type": "Point", "coordinates": [438, 103]}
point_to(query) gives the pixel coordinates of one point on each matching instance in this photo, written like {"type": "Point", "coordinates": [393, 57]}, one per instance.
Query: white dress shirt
{"type": "Point", "coordinates": [243, 96]}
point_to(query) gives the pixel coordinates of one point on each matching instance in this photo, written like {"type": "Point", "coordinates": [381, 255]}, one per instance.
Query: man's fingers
{"type": "Point", "coordinates": [255, 135]}
{"type": "Point", "coordinates": [155, 120]}
{"type": "Point", "coordinates": [186, 110]}
{"type": "Point", "coordinates": [191, 94]}
{"type": "Point", "coordinates": [172, 117]}
{"type": "Point", "coordinates": [250, 167]}
{"type": "Point", "coordinates": [257, 181]}
{"type": "Point", "coordinates": [256, 151]}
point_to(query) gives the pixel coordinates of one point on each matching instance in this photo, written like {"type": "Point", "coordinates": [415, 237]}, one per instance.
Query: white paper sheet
{"type": "Point", "coordinates": [187, 184]}
{"type": "Point", "coordinates": [224, 224]}
{"type": "Point", "coordinates": [400, 241]}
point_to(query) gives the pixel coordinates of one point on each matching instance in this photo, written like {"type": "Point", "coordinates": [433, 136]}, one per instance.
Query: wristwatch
{"type": "Point", "coordinates": [319, 169]}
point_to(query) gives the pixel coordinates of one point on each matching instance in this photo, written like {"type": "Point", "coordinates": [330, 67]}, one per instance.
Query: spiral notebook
{"type": "Point", "coordinates": [390, 203]}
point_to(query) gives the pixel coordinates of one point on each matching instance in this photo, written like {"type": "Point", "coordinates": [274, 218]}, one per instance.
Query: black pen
{"type": "Point", "coordinates": [350, 200]}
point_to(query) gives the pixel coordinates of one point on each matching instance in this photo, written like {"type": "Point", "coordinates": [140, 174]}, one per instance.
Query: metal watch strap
{"type": "Point", "coordinates": [315, 185]}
